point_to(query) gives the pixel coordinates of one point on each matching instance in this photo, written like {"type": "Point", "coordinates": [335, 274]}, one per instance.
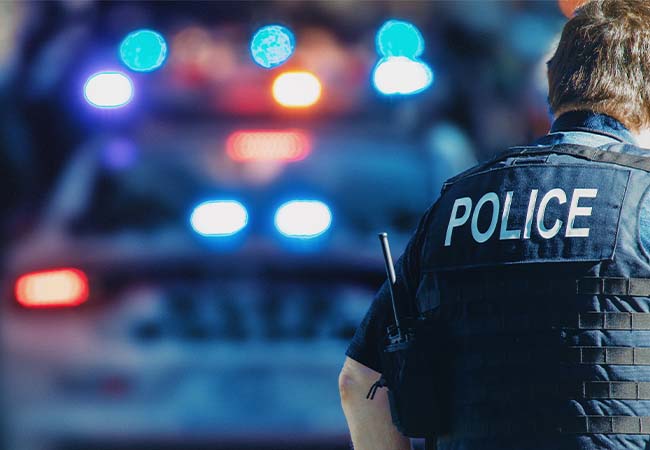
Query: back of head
{"type": "Point", "coordinates": [602, 62]}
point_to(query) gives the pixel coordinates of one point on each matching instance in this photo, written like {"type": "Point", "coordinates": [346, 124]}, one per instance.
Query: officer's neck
{"type": "Point", "coordinates": [580, 120]}
{"type": "Point", "coordinates": [643, 138]}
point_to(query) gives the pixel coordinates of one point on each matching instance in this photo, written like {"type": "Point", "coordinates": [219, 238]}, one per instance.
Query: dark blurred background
{"type": "Point", "coordinates": [186, 247]}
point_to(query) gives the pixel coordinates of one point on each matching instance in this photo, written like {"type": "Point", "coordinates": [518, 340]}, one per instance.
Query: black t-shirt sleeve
{"type": "Point", "coordinates": [368, 341]}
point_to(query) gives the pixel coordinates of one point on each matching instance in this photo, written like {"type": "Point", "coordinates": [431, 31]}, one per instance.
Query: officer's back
{"type": "Point", "coordinates": [534, 267]}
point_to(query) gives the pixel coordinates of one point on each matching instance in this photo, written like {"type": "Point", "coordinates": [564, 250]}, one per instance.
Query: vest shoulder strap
{"type": "Point", "coordinates": [595, 154]}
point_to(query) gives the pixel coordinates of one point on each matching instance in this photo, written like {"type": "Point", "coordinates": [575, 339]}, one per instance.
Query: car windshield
{"type": "Point", "coordinates": [140, 186]}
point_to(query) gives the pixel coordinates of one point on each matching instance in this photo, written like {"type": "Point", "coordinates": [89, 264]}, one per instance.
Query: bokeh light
{"type": "Point", "coordinates": [272, 45]}
{"type": "Point", "coordinates": [198, 56]}
{"type": "Point", "coordinates": [12, 15]}
{"type": "Point", "coordinates": [398, 75]}
{"type": "Point", "coordinates": [108, 90]}
{"type": "Point", "coordinates": [296, 89]}
{"type": "Point", "coordinates": [219, 218]}
{"type": "Point", "coordinates": [568, 7]}
{"type": "Point", "coordinates": [268, 145]}
{"type": "Point", "coordinates": [143, 50]}
{"type": "Point", "coordinates": [303, 218]}
{"type": "Point", "coordinates": [52, 288]}
{"type": "Point", "coordinates": [119, 153]}
{"type": "Point", "coordinates": [399, 38]}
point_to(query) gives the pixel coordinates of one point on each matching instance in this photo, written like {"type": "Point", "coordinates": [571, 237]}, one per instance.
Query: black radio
{"type": "Point", "coordinates": [409, 367]}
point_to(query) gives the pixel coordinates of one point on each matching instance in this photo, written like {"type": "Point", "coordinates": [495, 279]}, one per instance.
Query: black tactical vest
{"type": "Point", "coordinates": [534, 273]}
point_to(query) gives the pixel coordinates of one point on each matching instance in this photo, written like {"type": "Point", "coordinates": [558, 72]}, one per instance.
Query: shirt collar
{"type": "Point", "coordinates": [591, 122]}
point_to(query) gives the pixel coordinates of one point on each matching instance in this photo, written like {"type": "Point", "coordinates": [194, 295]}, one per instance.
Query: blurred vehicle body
{"type": "Point", "coordinates": [188, 341]}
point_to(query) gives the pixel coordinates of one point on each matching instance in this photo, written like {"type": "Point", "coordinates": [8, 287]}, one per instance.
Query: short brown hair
{"type": "Point", "coordinates": [602, 62]}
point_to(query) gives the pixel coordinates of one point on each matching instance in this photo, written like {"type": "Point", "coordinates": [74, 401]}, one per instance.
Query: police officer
{"type": "Point", "coordinates": [534, 268]}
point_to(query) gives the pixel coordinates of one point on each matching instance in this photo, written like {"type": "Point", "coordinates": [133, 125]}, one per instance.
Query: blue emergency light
{"type": "Point", "coordinates": [272, 45]}
{"type": "Point", "coordinates": [218, 218]}
{"type": "Point", "coordinates": [109, 89]}
{"type": "Point", "coordinates": [399, 38]}
{"type": "Point", "coordinates": [143, 50]}
{"type": "Point", "coordinates": [399, 75]}
{"type": "Point", "coordinates": [303, 219]}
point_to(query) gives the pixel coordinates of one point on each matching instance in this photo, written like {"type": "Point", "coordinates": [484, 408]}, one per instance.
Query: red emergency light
{"type": "Point", "coordinates": [52, 288]}
{"type": "Point", "coordinates": [268, 145]}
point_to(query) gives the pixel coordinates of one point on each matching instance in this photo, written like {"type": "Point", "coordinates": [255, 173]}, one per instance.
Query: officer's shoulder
{"type": "Point", "coordinates": [623, 150]}
{"type": "Point", "coordinates": [496, 159]}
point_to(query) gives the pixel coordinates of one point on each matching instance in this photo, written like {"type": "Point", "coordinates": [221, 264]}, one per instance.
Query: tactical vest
{"type": "Point", "coordinates": [534, 273]}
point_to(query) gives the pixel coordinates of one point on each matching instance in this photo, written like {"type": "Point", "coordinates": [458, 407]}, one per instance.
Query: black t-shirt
{"type": "Point", "coordinates": [369, 339]}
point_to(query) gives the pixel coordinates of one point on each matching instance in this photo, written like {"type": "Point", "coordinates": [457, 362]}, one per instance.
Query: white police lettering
{"type": "Point", "coordinates": [454, 220]}
{"type": "Point", "coordinates": [575, 210]}
{"type": "Point", "coordinates": [538, 213]}
{"type": "Point", "coordinates": [548, 233]}
{"type": "Point", "coordinates": [530, 212]}
{"type": "Point", "coordinates": [479, 236]}
{"type": "Point", "coordinates": [505, 233]}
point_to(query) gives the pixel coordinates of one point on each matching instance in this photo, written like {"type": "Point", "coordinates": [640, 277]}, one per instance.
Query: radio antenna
{"type": "Point", "coordinates": [392, 278]}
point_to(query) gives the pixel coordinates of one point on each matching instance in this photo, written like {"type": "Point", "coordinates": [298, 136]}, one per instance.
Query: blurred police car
{"type": "Point", "coordinates": [140, 317]}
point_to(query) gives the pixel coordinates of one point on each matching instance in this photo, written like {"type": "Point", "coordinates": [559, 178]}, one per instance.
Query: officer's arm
{"type": "Point", "coordinates": [370, 423]}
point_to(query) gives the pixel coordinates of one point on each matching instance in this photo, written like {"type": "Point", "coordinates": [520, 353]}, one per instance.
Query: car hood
{"type": "Point", "coordinates": [130, 252]}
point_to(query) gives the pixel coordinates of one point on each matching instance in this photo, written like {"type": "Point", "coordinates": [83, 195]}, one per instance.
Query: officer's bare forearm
{"type": "Point", "coordinates": [369, 421]}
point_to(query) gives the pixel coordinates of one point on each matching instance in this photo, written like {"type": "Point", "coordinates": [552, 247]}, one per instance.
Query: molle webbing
{"type": "Point", "coordinates": [494, 304]}
{"type": "Point", "coordinates": [483, 407]}
{"type": "Point", "coordinates": [476, 288]}
{"type": "Point", "coordinates": [635, 287]}
{"type": "Point", "coordinates": [619, 356]}
{"type": "Point", "coordinates": [488, 319]}
{"type": "Point", "coordinates": [606, 425]}
{"type": "Point", "coordinates": [613, 390]}
{"type": "Point", "coordinates": [586, 390]}
{"type": "Point", "coordinates": [567, 425]}
{"type": "Point", "coordinates": [499, 354]}
{"type": "Point", "coordinates": [608, 321]}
